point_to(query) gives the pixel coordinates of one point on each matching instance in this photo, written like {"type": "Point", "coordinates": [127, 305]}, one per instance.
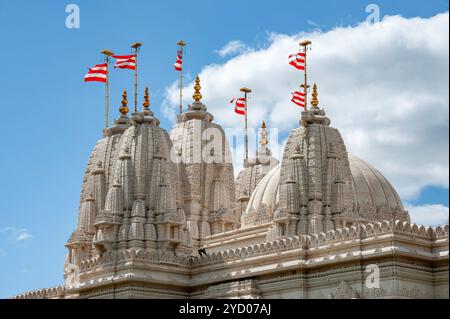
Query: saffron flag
{"type": "Point", "coordinates": [125, 61]}
{"type": "Point", "coordinates": [297, 60]}
{"type": "Point", "coordinates": [178, 66]}
{"type": "Point", "coordinates": [239, 105]}
{"type": "Point", "coordinates": [298, 98]}
{"type": "Point", "coordinates": [98, 73]}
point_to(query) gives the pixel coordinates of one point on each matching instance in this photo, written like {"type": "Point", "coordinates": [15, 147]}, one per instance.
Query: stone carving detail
{"type": "Point", "coordinates": [344, 291]}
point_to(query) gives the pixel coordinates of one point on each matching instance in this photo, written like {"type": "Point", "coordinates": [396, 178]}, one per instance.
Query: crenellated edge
{"type": "Point", "coordinates": [57, 292]}
{"type": "Point", "coordinates": [360, 231]}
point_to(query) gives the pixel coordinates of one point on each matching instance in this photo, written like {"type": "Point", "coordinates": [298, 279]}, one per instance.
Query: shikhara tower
{"type": "Point", "coordinates": [308, 226]}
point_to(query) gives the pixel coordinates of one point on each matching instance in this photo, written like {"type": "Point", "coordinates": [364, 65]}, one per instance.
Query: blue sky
{"type": "Point", "coordinates": [51, 119]}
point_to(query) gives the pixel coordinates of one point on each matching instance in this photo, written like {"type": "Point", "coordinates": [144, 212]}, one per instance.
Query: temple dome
{"type": "Point", "coordinates": [371, 187]}
{"type": "Point", "coordinates": [263, 200]}
{"type": "Point", "coordinates": [372, 192]}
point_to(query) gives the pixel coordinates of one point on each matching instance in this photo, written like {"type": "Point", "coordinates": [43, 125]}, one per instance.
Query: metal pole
{"type": "Point", "coordinates": [136, 47]}
{"type": "Point", "coordinates": [246, 129]}
{"type": "Point", "coordinates": [107, 54]}
{"type": "Point", "coordinates": [305, 44]}
{"type": "Point", "coordinates": [306, 81]}
{"type": "Point", "coordinates": [135, 82]}
{"type": "Point", "coordinates": [181, 91]}
{"type": "Point", "coordinates": [246, 91]}
{"type": "Point", "coordinates": [107, 92]}
{"type": "Point", "coordinates": [181, 44]}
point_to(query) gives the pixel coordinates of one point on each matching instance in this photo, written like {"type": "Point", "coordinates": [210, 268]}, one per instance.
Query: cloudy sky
{"type": "Point", "coordinates": [383, 84]}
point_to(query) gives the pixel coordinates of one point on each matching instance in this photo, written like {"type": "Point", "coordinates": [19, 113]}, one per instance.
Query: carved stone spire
{"type": "Point", "coordinates": [263, 135]}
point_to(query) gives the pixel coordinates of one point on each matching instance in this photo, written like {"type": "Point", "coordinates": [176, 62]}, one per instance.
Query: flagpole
{"type": "Point", "coordinates": [107, 54]}
{"type": "Point", "coordinates": [246, 91]}
{"type": "Point", "coordinates": [305, 45]}
{"type": "Point", "coordinates": [136, 47]}
{"type": "Point", "coordinates": [181, 44]}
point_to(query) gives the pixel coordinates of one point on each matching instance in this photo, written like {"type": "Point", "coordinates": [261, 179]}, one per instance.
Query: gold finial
{"type": "Point", "coordinates": [181, 43]}
{"type": "Point", "coordinates": [314, 100]}
{"type": "Point", "coordinates": [146, 103]}
{"type": "Point", "coordinates": [124, 108]}
{"type": "Point", "coordinates": [197, 95]}
{"type": "Point", "coordinates": [263, 125]}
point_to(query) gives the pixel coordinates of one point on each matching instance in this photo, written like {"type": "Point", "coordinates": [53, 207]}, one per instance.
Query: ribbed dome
{"type": "Point", "coordinates": [374, 198]}
{"type": "Point", "coordinates": [264, 199]}
{"type": "Point", "coordinates": [371, 190]}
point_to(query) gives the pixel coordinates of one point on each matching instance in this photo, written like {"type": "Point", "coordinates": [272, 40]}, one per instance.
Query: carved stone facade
{"type": "Point", "coordinates": [205, 172]}
{"type": "Point", "coordinates": [317, 225]}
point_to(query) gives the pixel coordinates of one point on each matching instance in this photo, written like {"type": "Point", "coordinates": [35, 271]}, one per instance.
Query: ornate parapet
{"type": "Point", "coordinates": [346, 234]}
{"type": "Point", "coordinates": [57, 292]}
{"type": "Point", "coordinates": [134, 255]}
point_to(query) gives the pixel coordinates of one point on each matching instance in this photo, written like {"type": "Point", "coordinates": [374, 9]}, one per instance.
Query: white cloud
{"type": "Point", "coordinates": [384, 86]}
{"type": "Point", "coordinates": [16, 234]}
{"type": "Point", "coordinates": [429, 215]}
{"type": "Point", "coordinates": [232, 47]}
{"type": "Point", "coordinates": [24, 235]}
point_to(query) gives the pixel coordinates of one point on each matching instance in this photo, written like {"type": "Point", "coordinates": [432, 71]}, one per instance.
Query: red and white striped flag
{"type": "Point", "coordinates": [297, 60]}
{"type": "Point", "coordinates": [178, 66]}
{"type": "Point", "coordinates": [125, 61]}
{"type": "Point", "coordinates": [298, 98]}
{"type": "Point", "coordinates": [97, 74]}
{"type": "Point", "coordinates": [239, 105]}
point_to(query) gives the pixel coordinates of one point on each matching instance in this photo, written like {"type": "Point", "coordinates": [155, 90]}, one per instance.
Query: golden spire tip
{"type": "Point", "coordinates": [197, 95]}
{"type": "Point", "coordinates": [314, 100]}
{"type": "Point", "coordinates": [124, 108]}
{"type": "Point", "coordinates": [263, 124]}
{"type": "Point", "coordinates": [146, 103]}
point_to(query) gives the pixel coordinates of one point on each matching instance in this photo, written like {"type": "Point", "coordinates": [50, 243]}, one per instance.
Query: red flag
{"type": "Point", "coordinates": [125, 61]}
{"type": "Point", "coordinates": [97, 73]}
{"type": "Point", "coordinates": [239, 105]}
{"type": "Point", "coordinates": [297, 60]}
{"type": "Point", "coordinates": [178, 66]}
{"type": "Point", "coordinates": [298, 98]}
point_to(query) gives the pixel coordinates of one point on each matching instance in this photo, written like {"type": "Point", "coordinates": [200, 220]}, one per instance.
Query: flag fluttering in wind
{"type": "Point", "coordinates": [98, 73]}
{"type": "Point", "coordinates": [239, 105]}
{"type": "Point", "coordinates": [125, 61]}
{"type": "Point", "coordinates": [298, 98]}
{"type": "Point", "coordinates": [297, 60]}
{"type": "Point", "coordinates": [178, 66]}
